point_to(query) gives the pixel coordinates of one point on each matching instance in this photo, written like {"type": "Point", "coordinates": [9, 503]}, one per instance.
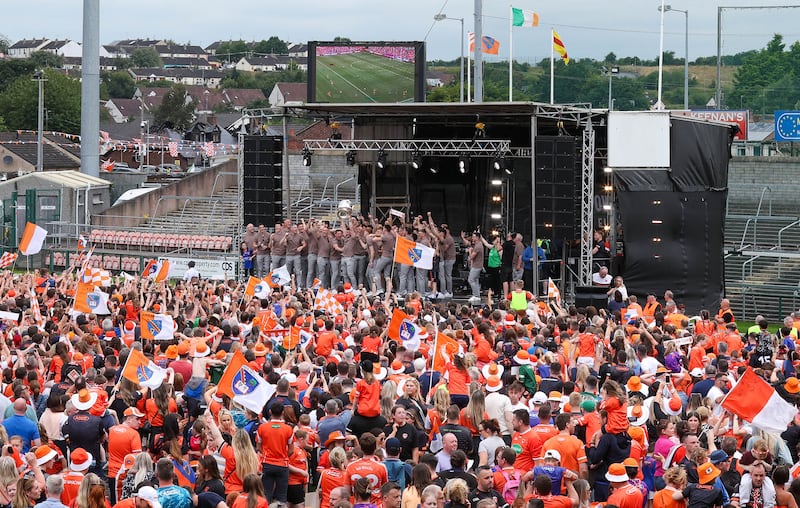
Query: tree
{"type": "Point", "coordinates": [176, 110]}
{"type": "Point", "coordinates": [4, 44]}
{"type": "Point", "coordinates": [143, 58]}
{"type": "Point", "coordinates": [62, 102]}
{"type": "Point", "coordinates": [119, 84]}
{"type": "Point", "coordinates": [341, 39]}
{"type": "Point", "coordinates": [232, 51]}
{"type": "Point", "coordinates": [46, 60]}
{"type": "Point", "coordinates": [14, 68]}
{"type": "Point", "coordinates": [610, 58]}
{"type": "Point", "coordinates": [271, 46]}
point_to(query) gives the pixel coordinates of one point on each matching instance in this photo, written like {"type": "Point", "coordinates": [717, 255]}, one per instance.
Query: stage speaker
{"type": "Point", "coordinates": [263, 180]}
{"type": "Point", "coordinates": [591, 295]}
{"type": "Point", "coordinates": [557, 193]}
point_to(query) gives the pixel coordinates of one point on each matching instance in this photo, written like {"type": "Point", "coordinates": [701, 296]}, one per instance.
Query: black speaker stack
{"type": "Point", "coordinates": [558, 186]}
{"type": "Point", "coordinates": [263, 180]}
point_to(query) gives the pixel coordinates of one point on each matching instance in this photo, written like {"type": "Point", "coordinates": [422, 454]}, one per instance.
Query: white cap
{"type": "Point", "coordinates": [552, 454]}
{"type": "Point", "coordinates": [150, 495]}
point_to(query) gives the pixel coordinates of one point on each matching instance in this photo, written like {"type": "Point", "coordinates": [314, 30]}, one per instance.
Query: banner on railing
{"type": "Point", "coordinates": [210, 268]}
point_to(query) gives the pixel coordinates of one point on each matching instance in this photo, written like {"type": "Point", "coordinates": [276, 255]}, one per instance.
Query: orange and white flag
{"type": "Point", "coordinates": [32, 239]}
{"type": "Point", "coordinates": [754, 400]}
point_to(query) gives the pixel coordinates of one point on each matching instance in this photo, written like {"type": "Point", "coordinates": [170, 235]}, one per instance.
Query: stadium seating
{"type": "Point", "coordinates": [158, 242]}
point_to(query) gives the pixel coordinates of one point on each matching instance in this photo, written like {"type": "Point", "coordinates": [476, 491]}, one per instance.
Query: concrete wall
{"type": "Point", "coordinates": [133, 213]}
{"type": "Point", "coordinates": [747, 176]}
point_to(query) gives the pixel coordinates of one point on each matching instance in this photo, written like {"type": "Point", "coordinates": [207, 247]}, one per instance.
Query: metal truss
{"type": "Point", "coordinates": [428, 146]}
{"type": "Point", "coordinates": [587, 205]}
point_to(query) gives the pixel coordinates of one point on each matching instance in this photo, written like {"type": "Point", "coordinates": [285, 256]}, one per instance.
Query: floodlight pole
{"type": "Point", "coordinates": [39, 76]}
{"type": "Point", "coordinates": [441, 17]}
{"type": "Point", "coordinates": [478, 51]}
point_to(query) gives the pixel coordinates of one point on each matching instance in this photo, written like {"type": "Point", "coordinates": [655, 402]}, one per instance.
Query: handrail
{"type": "Point", "coordinates": [297, 215]}
{"type": "Point", "coordinates": [216, 178]}
{"type": "Point", "coordinates": [335, 204]}
{"type": "Point", "coordinates": [761, 200]}
{"type": "Point", "coordinates": [325, 189]}
{"type": "Point", "coordinates": [754, 220]}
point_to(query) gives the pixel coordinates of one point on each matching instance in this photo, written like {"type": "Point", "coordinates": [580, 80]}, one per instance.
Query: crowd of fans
{"type": "Point", "coordinates": [505, 401]}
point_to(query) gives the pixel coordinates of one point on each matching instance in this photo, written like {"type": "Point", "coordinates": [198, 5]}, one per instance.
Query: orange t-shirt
{"type": "Point", "coordinates": [298, 459]}
{"type": "Point", "coordinates": [617, 415]}
{"type": "Point", "coordinates": [72, 482]}
{"type": "Point", "coordinates": [371, 344]}
{"type": "Point", "coordinates": [241, 502]}
{"type": "Point", "coordinates": [232, 481]}
{"type": "Point", "coordinates": [465, 420]}
{"type": "Point", "coordinates": [457, 380]}
{"type": "Point", "coordinates": [551, 501]}
{"type": "Point", "coordinates": [370, 468]}
{"type": "Point", "coordinates": [627, 496]}
{"type": "Point", "coordinates": [122, 440]}
{"type": "Point", "coordinates": [586, 343]}
{"type": "Point", "coordinates": [56, 364]}
{"type": "Point", "coordinates": [545, 431]}
{"type": "Point", "coordinates": [528, 447]}
{"type": "Point", "coordinates": [368, 397]}
{"type": "Point", "coordinates": [275, 438]}
{"type": "Point", "coordinates": [663, 499]}
{"type": "Point", "coordinates": [329, 479]}
{"type": "Point", "coordinates": [325, 342]}
{"type": "Point", "coordinates": [570, 448]}
{"type": "Point", "coordinates": [696, 357]}
{"type": "Point", "coordinates": [151, 411]}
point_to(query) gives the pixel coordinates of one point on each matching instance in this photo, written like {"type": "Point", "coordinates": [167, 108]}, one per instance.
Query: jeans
{"type": "Point", "coordinates": [446, 275]}
{"type": "Point", "coordinates": [262, 265]}
{"type": "Point", "coordinates": [293, 266]}
{"type": "Point", "coordinates": [361, 268]}
{"type": "Point", "coordinates": [278, 261]}
{"type": "Point", "coordinates": [517, 274]}
{"type": "Point", "coordinates": [322, 271]}
{"type": "Point", "coordinates": [475, 281]}
{"type": "Point", "coordinates": [349, 270]}
{"type": "Point", "coordinates": [406, 279]}
{"type": "Point", "coordinates": [311, 270]}
{"type": "Point", "coordinates": [381, 269]}
{"type": "Point", "coordinates": [422, 280]}
{"type": "Point", "coordinates": [336, 272]}
{"type": "Point", "coordinates": [275, 480]}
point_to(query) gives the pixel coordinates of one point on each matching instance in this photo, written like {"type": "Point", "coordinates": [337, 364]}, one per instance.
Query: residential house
{"type": "Point", "coordinates": [151, 97]}
{"type": "Point", "coordinates": [186, 62]}
{"type": "Point", "coordinates": [240, 98]}
{"type": "Point", "coordinates": [18, 153]}
{"type": "Point", "coordinates": [288, 93]}
{"type": "Point", "coordinates": [24, 48]}
{"type": "Point", "coordinates": [180, 51]}
{"type": "Point", "coordinates": [123, 110]}
{"type": "Point", "coordinates": [267, 63]}
{"type": "Point", "coordinates": [298, 50]}
{"type": "Point", "coordinates": [435, 79]}
{"type": "Point", "coordinates": [123, 48]}
{"type": "Point", "coordinates": [207, 78]}
{"type": "Point", "coordinates": [73, 63]}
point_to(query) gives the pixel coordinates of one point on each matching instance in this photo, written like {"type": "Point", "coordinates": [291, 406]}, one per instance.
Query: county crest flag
{"type": "Point", "coordinates": [414, 254]}
{"type": "Point", "coordinates": [490, 46]}
{"type": "Point", "coordinates": [754, 400]}
{"type": "Point", "coordinates": [244, 385]}
{"type": "Point", "coordinates": [279, 277]}
{"type": "Point", "coordinates": [156, 326]}
{"type": "Point", "coordinates": [257, 288]}
{"type": "Point", "coordinates": [445, 348]}
{"type": "Point", "coordinates": [296, 337]}
{"type": "Point", "coordinates": [143, 371]}
{"type": "Point", "coordinates": [401, 328]}
{"type": "Point", "coordinates": [522, 17]}
{"type": "Point", "coordinates": [89, 299]}
{"type": "Point", "coordinates": [32, 239]}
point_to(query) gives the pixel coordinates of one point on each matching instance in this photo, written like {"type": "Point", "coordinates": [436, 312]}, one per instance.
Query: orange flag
{"type": "Point", "coordinates": [82, 297]}
{"type": "Point", "coordinates": [446, 345]}
{"type": "Point", "coordinates": [225, 385]}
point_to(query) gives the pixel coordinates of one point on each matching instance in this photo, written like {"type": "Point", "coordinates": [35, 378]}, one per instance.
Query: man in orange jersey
{"type": "Point", "coordinates": [122, 440]}
{"type": "Point", "coordinates": [275, 438]}
{"type": "Point", "coordinates": [572, 451]}
{"type": "Point", "coordinates": [525, 442]}
{"type": "Point", "coordinates": [624, 494]}
{"type": "Point", "coordinates": [368, 467]}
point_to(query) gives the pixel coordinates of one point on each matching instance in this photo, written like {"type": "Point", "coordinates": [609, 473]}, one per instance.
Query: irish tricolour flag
{"type": "Point", "coordinates": [520, 17]}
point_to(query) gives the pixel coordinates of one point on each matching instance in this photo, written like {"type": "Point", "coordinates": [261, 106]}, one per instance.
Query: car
{"type": "Point", "coordinates": [170, 168]}
{"type": "Point", "coordinates": [148, 168]}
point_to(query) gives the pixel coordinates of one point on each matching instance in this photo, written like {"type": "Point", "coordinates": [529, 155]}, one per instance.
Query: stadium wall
{"type": "Point", "coordinates": [748, 175]}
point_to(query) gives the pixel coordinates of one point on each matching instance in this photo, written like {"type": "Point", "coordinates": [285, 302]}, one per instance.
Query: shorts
{"type": "Point", "coordinates": [506, 274]}
{"type": "Point", "coordinates": [296, 494]}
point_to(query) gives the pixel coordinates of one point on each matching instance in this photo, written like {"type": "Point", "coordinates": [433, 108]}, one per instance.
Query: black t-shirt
{"type": "Point", "coordinates": [551, 384]}
{"type": "Point", "coordinates": [477, 496]}
{"type": "Point", "coordinates": [472, 482]}
{"type": "Point", "coordinates": [84, 430]}
{"type": "Point", "coordinates": [463, 435]}
{"type": "Point", "coordinates": [507, 259]}
{"type": "Point", "coordinates": [407, 435]}
{"type": "Point", "coordinates": [702, 496]}
{"type": "Point", "coordinates": [213, 485]}
{"type": "Point", "coordinates": [298, 410]}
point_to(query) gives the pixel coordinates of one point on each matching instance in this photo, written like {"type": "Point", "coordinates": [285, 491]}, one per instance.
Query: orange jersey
{"type": "Point", "coordinates": [275, 439]}
{"type": "Point", "coordinates": [368, 398]}
{"type": "Point", "coordinates": [298, 459]}
{"type": "Point", "coordinates": [528, 447]}
{"type": "Point", "coordinates": [72, 482]}
{"type": "Point", "coordinates": [570, 448]}
{"type": "Point", "coordinates": [371, 469]}
{"type": "Point", "coordinates": [329, 479]}
{"type": "Point", "coordinates": [122, 440]}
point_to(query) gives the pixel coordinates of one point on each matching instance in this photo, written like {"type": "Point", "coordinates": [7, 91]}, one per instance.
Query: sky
{"type": "Point", "coordinates": [588, 28]}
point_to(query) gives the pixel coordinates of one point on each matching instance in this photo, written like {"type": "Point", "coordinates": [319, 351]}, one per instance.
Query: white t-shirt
{"type": "Point", "coordinates": [649, 365]}
{"type": "Point", "coordinates": [496, 406]}
{"type": "Point", "coordinates": [600, 280]}
{"type": "Point", "coordinates": [714, 393]}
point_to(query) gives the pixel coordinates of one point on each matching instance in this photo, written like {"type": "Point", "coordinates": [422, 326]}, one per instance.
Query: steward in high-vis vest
{"type": "Point", "coordinates": [519, 298]}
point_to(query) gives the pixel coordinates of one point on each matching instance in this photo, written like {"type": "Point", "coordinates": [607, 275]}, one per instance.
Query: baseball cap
{"type": "Point", "coordinates": [150, 495]}
{"type": "Point", "coordinates": [552, 454]}
{"type": "Point", "coordinates": [393, 446]}
{"type": "Point", "coordinates": [132, 411]}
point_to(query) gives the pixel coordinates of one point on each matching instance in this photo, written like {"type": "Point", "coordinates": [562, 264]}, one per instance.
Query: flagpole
{"type": "Point", "coordinates": [510, 53]}
{"type": "Point", "coordinates": [469, 78]}
{"type": "Point", "coordinates": [435, 348]}
{"type": "Point", "coordinates": [552, 55]}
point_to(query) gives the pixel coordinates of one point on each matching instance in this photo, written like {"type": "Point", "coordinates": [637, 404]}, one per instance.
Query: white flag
{"type": "Point", "coordinates": [251, 390]}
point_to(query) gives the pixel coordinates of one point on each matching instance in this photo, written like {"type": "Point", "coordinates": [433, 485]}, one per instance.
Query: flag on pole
{"type": "Point", "coordinates": [156, 270]}
{"type": "Point", "coordinates": [89, 299]}
{"type": "Point", "coordinates": [244, 385]}
{"type": "Point", "coordinates": [81, 242]}
{"type": "Point", "coordinates": [107, 165]}
{"type": "Point", "coordinates": [7, 259]}
{"type": "Point", "coordinates": [560, 48]}
{"type": "Point", "coordinates": [522, 17]}
{"type": "Point", "coordinates": [150, 269]}
{"type": "Point", "coordinates": [297, 337]}
{"type": "Point", "coordinates": [156, 326]}
{"type": "Point", "coordinates": [415, 254]}
{"type": "Point", "coordinates": [36, 310]}
{"type": "Point", "coordinates": [96, 276]}
{"type": "Point", "coordinates": [401, 327]}
{"type": "Point", "coordinates": [257, 288]}
{"type": "Point", "coordinates": [754, 400]}
{"type": "Point", "coordinates": [173, 148]}
{"type": "Point", "coordinates": [446, 348]}
{"type": "Point", "coordinates": [32, 239]}
{"type": "Point", "coordinates": [490, 46]}
{"type": "Point", "coordinates": [139, 369]}
{"type": "Point", "coordinates": [552, 291]}
{"type": "Point", "coordinates": [326, 301]}
{"type": "Point", "coordinates": [163, 271]}
{"type": "Point", "coordinates": [279, 277]}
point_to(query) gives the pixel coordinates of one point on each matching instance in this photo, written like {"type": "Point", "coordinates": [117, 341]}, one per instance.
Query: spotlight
{"type": "Point", "coordinates": [497, 162]}
{"type": "Point", "coordinates": [607, 169]}
{"type": "Point", "coordinates": [434, 166]}
{"type": "Point", "coordinates": [463, 165]}
{"type": "Point", "coordinates": [351, 158]}
{"type": "Point", "coordinates": [497, 182]}
{"type": "Point", "coordinates": [416, 160]}
{"type": "Point", "coordinates": [496, 216]}
{"type": "Point", "coordinates": [508, 167]}
{"type": "Point", "coordinates": [306, 157]}
{"type": "Point", "coordinates": [381, 159]}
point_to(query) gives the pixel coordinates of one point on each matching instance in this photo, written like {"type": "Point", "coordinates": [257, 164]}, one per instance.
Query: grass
{"type": "Point", "coordinates": [363, 77]}
{"type": "Point", "coordinates": [744, 325]}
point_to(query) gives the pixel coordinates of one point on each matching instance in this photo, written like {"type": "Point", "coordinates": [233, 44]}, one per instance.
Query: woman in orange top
{"type": "Point", "coordinates": [332, 477]}
{"type": "Point", "coordinates": [156, 407]}
{"type": "Point", "coordinates": [438, 413]}
{"type": "Point", "coordinates": [471, 418]}
{"type": "Point", "coordinates": [676, 481]}
{"type": "Point", "coordinates": [367, 399]}
{"type": "Point", "coordinates": [298, 470]}
{"type": "Point", "coordinates": [253, 494]}
{"type": "Point", "coordinates": [241, 461]}
{"type": "Point", "coordinates": [457, 377]}
{"type": "Point", "coordinates": [60, 359]}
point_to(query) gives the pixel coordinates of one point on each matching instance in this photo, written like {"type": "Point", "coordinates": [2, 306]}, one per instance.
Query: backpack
{"type": "Point", "coordinates": [67, 372]}
{"type": "Point", "coordinates": [511, 486]}
{"type": "Point", "coordinates": [731, 478]}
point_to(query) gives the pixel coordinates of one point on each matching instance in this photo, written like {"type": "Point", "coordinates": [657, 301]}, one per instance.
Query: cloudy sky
{"type": "Point", "coordinates": [589, 28]}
